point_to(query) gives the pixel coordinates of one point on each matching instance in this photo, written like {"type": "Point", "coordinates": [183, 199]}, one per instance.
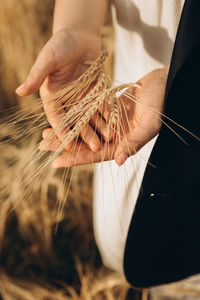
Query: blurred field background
{"type": "Point", "coordinates": [37, 259]}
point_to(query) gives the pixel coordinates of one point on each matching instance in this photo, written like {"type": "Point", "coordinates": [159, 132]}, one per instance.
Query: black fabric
{"type": "Point", "coordinates": [163, 243]}
{"type": "Point", "coordinates": [187, 36]}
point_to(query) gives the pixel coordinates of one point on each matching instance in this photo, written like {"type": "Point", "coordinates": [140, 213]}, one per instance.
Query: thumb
{"type": "Point", "coordinates": [42, 67]}
{"type": "Point", "coordinates": [132, 142]}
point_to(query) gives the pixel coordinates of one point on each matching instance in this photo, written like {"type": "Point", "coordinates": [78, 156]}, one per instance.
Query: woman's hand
{"type": "Point", "coordinates": [61, 61]}
{"type": "Point", "coordinates": [145, 115]}
{"type": "Point", "coordinates": [141, 122]}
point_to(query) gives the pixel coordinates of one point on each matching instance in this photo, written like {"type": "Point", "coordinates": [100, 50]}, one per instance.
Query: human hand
{"type": "Point", "coordinates": [61, 61]}
{"type": "Point", "coordinates": [141, 121]}
{"type": "Point", "coordinates": [144, 116]}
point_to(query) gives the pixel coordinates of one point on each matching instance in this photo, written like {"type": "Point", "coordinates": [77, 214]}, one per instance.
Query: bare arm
{"type": "Point", "coordinates": [87, 14]}
{"type": "Point", "coordinates": [76, 39]}
{"type": "Point", "coordinates": [76, 19]}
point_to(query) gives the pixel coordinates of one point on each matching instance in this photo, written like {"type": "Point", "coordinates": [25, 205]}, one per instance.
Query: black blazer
{"type": "Point", "coordinates": [163, 243]}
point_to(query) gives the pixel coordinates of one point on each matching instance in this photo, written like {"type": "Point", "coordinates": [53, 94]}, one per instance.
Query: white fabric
{"type": "Point", "coordinates": [144, 35]}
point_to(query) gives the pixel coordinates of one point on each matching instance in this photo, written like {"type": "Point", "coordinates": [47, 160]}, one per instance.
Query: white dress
{"type": "Point", "coordinates": [145, 31]}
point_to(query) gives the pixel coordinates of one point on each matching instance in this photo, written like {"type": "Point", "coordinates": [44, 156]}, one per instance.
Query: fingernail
{"type": "Point", "coordinates": [108, 136]}
{"type": "Point", "coordinates": [20, 88]}
{"type": "Point", "coordinates": [121, 158]}
{"type": "Point", "coordinates": [44, 134]}
{"type": "Point", "coordinates": [41, 146]}
{"type": "Point", "coordinates": [54, 165]}
{"type": "Point", "coordinates": [95, 146]}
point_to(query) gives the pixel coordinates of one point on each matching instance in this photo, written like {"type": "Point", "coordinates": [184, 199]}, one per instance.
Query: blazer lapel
{"type": "Point", "coordinates": [187, 36]}
{"type": "Point", "coordinates": [162, 243]}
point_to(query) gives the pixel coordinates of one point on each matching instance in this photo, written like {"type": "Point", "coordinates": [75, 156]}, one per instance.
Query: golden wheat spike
{"type": "Point", "coordinates": [81, 99]}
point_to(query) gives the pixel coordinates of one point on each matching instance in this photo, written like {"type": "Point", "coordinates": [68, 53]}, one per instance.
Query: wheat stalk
{"type": "Point", "coordinates": [80, 99]}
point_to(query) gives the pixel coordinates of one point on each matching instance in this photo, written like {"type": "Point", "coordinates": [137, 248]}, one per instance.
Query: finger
{"type": "Point", "coordinates": [48, 135]}
{"type": "Point", "coordinates": [104, 110]}
{"type": "Point", "coordinates": [100, 126]}
{"type": "Point", "coordinates": [56, 115]}
{"type": "Point", "coordinates": [84, 156]}
{"type": "Point", "coordinates": [55, 146]}
{"type": "Point", "coordinates": [90, 137]}
{"type": "Point", "coordinates": [50, 145]}
{"type": "Point", "coordinates": [46, 132]}
{"type": "Point", "coordinates": [132, 142]}
{"type": "Point", "coordinates": [43, 66]}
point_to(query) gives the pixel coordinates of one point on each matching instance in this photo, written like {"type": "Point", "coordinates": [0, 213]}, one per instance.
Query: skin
{"type": "Point", "coordinates": [141, 123]}
{"type": "Point", "coordinates": [76, 39]}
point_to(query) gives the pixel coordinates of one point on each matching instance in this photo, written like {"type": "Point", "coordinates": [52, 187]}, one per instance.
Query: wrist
{"type": "Point", "coordinates": [88, 15]}
{"type": "Point", "coordinates": [78, 27]}
{"type": "Point", "coordinates": [78, 39]}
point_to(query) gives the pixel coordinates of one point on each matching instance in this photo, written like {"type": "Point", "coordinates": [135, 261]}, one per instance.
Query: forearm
{"type": "Point", "coordinates": [86, 14]}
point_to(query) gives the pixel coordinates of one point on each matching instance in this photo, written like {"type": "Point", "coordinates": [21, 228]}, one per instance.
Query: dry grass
{"type": "Point", "coordinates": [43, 254]}
{"type": "Point", "coordinates": [91, 289]}
{"type": "Point", "coordinates": [38, 259]}
{"type": "Point", "coordinates": [32, 180]}
{"type": "Point", "coordinates": [25, 27]}
{"type": "Point", "coordinates": [75, 108]}
{"type": "Point", "coordinates": [186, 289]}
{"type": "Point", "coordinates": [58, 262]}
